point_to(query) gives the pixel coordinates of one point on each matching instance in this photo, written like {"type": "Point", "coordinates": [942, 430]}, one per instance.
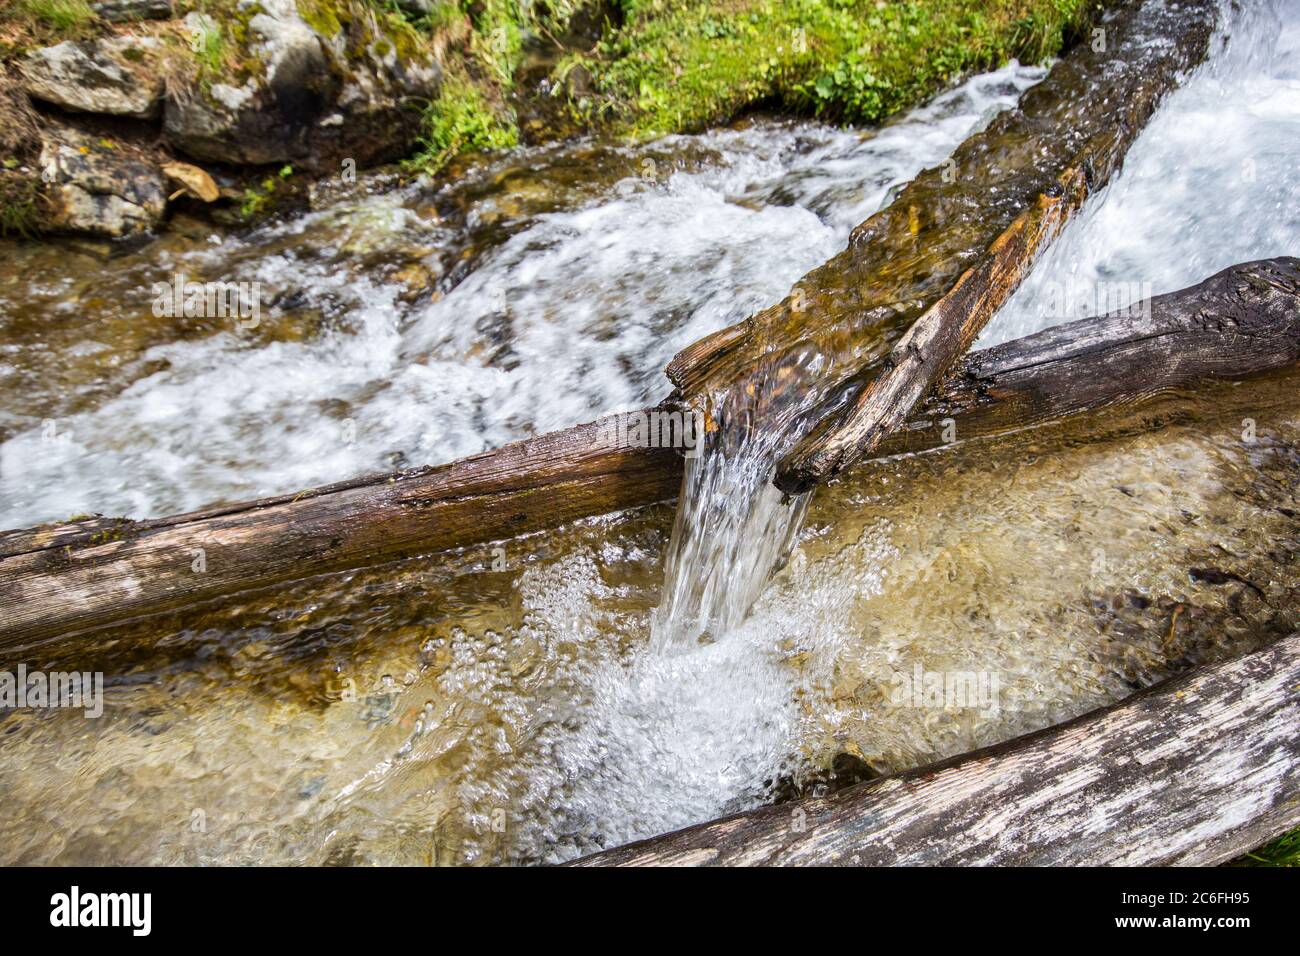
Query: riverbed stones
{"type": "Point", "coordinates": [114, 76]}
{"type": "Point", "coordinates": [93, 188]}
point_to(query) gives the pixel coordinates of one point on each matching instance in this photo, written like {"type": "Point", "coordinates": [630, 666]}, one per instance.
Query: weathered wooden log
{"type": "Point", "coordinates": [58, 580]}
{"type": "Point", "coordinates": [831, 334]}
{"type": "Point", "coordinates": [1195, 770]}
{"type": "Point", "coordinates": [1245, 318]}
{"type": "Point", "coordinates": [948, 328]}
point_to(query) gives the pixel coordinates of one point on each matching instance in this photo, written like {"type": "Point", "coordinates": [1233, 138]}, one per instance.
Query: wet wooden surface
{"type": "Point", "coordinates": [1194, 771]}
{"type": "Point", "coordinates": [60, 580]}
{"type": "Point", "coordinates": [832, 334]}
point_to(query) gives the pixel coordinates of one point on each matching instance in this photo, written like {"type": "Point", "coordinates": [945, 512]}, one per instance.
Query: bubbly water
{"type": "Point", "coordinates": [1212, 181]}
{"type": "Point", "coordinates": [568, 314]}
{"type": "Point", "coordinates": [545, 694]}
{"type": "Point", "coordinates": [733, 529]}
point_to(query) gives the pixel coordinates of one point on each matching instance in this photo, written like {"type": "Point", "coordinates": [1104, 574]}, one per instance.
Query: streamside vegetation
{"type": "Point", "coordinates": [251, 86]}
{"type": "Point", "coordinates": [1284, 851]}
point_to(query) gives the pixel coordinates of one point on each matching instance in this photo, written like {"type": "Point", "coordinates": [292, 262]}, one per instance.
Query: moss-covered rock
{"type": "Point", "coordinates": [115, 76]}
{"type": "Point", "coordinates": [313, 84]}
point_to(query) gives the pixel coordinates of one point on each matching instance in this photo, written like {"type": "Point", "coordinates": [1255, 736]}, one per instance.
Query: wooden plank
{"type": "Point", "coordinates": [60, 580]}
{"type": "Point", "coordinates": [1195, 770]}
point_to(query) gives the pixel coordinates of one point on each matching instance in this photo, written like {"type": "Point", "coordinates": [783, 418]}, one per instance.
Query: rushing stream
{"type": "Point", "coordinates": [588, 267]}
{"type": "Point", "coordinates": [1212, 181]}
{"type": "Point", "coordinates": [579, 688]}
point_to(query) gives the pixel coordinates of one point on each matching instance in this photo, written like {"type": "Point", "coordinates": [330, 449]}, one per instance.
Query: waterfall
{"type": "Point", "coordinates": [732, 530]}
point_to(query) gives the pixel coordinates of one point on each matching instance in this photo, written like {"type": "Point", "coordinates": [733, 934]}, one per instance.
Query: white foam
{"type": "Point", "coordinates": [573, 317]}
{"type": "Point", "coordinates": [1212, 181]}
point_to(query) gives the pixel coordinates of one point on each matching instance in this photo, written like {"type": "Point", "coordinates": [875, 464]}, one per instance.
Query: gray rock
{"type": "Point", "coordinates": [126, 11]}
{"type": "Point", "coordinates": [267, 119]}
{"type": "Point", "coordinates": [93, 190]}
{"type": "Point", "coordinates": [318, 101]}
{"type": "Point", "coordinates": [115, 76]}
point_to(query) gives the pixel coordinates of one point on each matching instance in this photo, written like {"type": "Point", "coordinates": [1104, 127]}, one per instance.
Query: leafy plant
{"type": "Point", "coordinates": [259, 199]}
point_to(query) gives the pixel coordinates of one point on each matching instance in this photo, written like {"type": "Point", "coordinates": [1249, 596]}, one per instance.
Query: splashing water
{"type": "Point", "coordinates": [732, 530]}
{"type": "Point", "coordinates": [1212, 181]}
{"type": "Point", "coordinates": [537, 691]}
{"type": "Point", "coordinates": [575, 296]}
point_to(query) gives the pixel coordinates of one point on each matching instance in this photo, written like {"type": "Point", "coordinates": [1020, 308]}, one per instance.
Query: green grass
{"type": "Point", "coordinates": [30, 23]}
{"type": "Point", "coordinates": [1284, 851]}
{"type": "Point", "coordinates": [685, 64]}
{"type": "Point", "coordinates": [19, 205]}
{"type": "Point", "coordinates": [210, 49]}
{"type": "Point", "coordinates": [459, 120]}
{"type": "Point", "coordinates": [61, 16]}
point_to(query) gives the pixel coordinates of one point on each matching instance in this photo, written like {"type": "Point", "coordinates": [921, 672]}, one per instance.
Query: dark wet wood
{"type": "Point", "coordinates": [1194, 771]}
{"type": "Point", "coordinates": [832, 333]}
{"type": "Point", "coordinates": [58, 580]}
{"type": "Point", "coordinates": [1242, 320]}
{"type": "Point", "coordinates": [948, 328]}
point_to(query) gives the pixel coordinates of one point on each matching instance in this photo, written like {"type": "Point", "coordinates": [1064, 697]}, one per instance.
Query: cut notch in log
{"type": "Point", "coordinates": [61, 580]}
{"type": "Point", "coordinates": [948, 328]}
{"type": "Point", "coordinates": [1194, 771]}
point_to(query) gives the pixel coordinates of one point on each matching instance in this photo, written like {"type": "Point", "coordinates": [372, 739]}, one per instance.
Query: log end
{"type": "Point", "coordinates": [812, 463]}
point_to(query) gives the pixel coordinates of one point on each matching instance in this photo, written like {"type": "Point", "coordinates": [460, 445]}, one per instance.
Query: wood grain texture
{"type": "Point", "coordinates": [1195, 770]}
{"type": "Point", "coordinates": [61, 580]}
{"type": "Point", "coordinates": [948, 328]}
{"type": "Point", "coordinates": [1241, 321]}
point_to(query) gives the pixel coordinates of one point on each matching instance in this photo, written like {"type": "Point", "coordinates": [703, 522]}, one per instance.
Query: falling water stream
{"type": "Point", "coordinates": [635, 673]}
{"type": "Point", "coordinates": [1231, 132]}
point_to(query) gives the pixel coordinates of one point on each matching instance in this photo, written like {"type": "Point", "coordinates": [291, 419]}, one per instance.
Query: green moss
{"type": "Point", "coordinates": [684, 64]}
{"type": "Point", "coordinates": [260, 199]}
{"type": "Point", "coordinates": [322, 16]}
{"type": "Point", "coordinates": [459, 120]}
